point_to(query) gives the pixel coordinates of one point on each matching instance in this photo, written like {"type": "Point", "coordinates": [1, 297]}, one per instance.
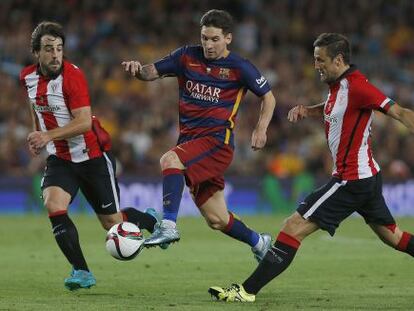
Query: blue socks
{"type": "Point", "coordinates": [172, 188]}
{"type": "Point", "coordinates": [239, 231]}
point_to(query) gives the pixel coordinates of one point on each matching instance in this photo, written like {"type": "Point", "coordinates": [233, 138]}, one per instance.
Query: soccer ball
{"type": "Point", "coordinates": [124, 241]}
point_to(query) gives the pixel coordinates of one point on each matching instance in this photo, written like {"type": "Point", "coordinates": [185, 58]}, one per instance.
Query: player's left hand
{"type": "Point", "coordinates": [259, 139]}
{"type": "Point", "coordinates": [38, 139]}
{"type": "Point", "coordinates": [133, 67]}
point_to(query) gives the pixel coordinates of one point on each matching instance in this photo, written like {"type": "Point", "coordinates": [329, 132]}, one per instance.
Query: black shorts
{"type": "Point", "coordinates": [95, 178]}
{"type": "Point", "coordinates": [335, 201]}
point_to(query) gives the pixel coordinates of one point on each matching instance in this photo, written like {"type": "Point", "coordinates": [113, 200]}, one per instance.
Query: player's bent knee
{"type": "Point", "coordinates": [215, 223]}
{"type": "Point", "coordinates": [295, 226]}
{"type": "Point", "coordinates": [170, 160]}
{"type": "Point", "coordinates": [53, 206]}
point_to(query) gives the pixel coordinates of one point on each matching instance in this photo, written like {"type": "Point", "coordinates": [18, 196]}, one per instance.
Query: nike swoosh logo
{"type": "Point", "coordinates": [55, 227]}
{"type": "Point", "coordinates": [194, 65]}
{"type": "Point", "coordinates": [279, 250]}
{"type": "Point", "coordinates": [106, 205]}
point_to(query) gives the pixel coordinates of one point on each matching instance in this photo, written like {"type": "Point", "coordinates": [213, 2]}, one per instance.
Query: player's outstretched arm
{"type": "Point", "coordinates": [404, 115]}
{"type": "Point", "coordinates": [259, 136]}
{"type": "Point", "coordinates": [301, 112]}
{"type": "Point", "coordinates": [141, 72]}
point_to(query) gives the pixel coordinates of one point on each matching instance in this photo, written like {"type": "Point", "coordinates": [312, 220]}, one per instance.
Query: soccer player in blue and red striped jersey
{"type": "Point", "coordinates": [356, 184]}
{"type": "Point", "coordinates": [212, 83]}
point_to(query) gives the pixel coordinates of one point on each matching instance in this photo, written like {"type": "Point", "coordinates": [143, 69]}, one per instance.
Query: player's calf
{"type": "Point", "coordinates": [406, 244]}
{"type": "Point", "coordinates": [395, 237]}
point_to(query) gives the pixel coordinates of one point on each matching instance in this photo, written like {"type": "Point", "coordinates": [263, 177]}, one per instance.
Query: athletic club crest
{"type": "Point", "coordinates": [224, 73]}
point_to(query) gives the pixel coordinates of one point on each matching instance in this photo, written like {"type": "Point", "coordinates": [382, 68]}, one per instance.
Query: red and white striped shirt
{"type": "Point", "coordinates": [348, 114]}
{"type": "Point", "coordinates": [53, 101]}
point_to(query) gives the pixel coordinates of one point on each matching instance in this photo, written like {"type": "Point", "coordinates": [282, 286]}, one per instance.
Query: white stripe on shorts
{"type": "Point", "coordinates": [112, 177]}
{"type": "Point", "coordinates": [323, 198]}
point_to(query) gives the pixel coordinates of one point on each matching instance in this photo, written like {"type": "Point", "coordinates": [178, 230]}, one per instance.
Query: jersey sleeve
{"type": "Point", "coordinates": [22, 83]}
{"type": "Point", "coordinates": [76, 89]}
{"type": "Point", "coordinates": [170, 65]}
{"type": "Point", "coordinates": [254, 80]}
{"type": "Point", "coordinates": [22, 76]}
{"type": "Point", "coordinates": [367, 96]}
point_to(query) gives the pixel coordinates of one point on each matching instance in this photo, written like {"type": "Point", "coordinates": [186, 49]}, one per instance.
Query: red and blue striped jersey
{"type": "Point", "coordinates": [210, 91]}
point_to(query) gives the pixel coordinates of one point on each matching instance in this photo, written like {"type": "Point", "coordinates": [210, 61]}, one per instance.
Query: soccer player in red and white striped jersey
{"type": "Point", "coordinates": [356, 184]}
{"type": "Point", "coordinates": [77, 145]}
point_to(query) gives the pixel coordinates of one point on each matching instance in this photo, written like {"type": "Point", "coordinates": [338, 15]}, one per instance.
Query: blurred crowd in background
{"type": "Point", "coordinates": [276, 36]}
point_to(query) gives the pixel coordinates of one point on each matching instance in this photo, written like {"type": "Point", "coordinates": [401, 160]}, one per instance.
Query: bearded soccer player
{"type": "Point", "coordinates": [78, 149]}
{"type": "Point", "coordinates": [212, 83]}
{"type": "Point", "coordinates": [356, 184]}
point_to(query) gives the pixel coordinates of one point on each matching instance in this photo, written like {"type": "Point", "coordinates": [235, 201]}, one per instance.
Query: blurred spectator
{"type": "Point", "coordinates": [277, 35]}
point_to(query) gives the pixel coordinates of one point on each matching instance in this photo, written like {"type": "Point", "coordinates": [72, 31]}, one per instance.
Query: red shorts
{"type": "Point", "coordinates": [205, 159]}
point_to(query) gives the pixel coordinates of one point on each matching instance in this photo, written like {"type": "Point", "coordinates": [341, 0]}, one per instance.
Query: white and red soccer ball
{"type": "Point", "coordinates": [124, 241]}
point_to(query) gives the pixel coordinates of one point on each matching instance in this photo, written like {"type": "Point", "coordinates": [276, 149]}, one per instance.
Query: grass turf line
{"type": "Point", "coordinates": [352, 271]}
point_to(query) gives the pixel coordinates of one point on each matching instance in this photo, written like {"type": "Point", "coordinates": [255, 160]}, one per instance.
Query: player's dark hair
{"type": "Point", "coordinates": [335, 44]}
{"type": "Point", "coordinates": [219, 19]}
{"type": "Point", "coordinates": [45, 28]}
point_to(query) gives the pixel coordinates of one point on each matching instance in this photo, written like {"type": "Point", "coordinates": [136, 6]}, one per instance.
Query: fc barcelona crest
{"type": "Point", "coordinates": [224, 73]}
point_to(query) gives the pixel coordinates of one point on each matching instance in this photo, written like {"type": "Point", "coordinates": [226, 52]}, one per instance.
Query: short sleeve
{"type": "Point", "coordinates": [254, 80]}
{"type": "Point", "coordinates": [22, 83]}
{"type": "Point", "coordinates": [22, 76]}
{"type": "Point", "coordinates": [22, 80]}
{"type": "Point", "coordinates": [170, 65]}
{"type": "Point", "coordinates": [367, 96]}
{"type": "Point", "coordinates": [76, 89]}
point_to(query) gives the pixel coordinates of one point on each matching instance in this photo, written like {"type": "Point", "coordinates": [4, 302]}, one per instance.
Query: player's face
{"type": "Point", "coordinates": [329, 69]}
{"type": "Point", "coordinates": [214, 42]}
{"type": "Point", "coordinates": [50, 55]}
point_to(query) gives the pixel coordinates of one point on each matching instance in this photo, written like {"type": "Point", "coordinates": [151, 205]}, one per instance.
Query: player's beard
{"type": "Point", "coordinates": [50, 72]}
{"type": "Point", "coordinates": [328, 79]}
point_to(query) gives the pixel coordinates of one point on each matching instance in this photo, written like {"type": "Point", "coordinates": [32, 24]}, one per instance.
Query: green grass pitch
{"type": "Point", "coordinates": [352, 271]}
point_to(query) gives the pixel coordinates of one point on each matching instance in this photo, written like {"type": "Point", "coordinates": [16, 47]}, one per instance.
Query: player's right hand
{"type": "Point", "coordinates": [133, 67]}
{"type": "Point", "coordinates": [33, 150]}
{"type": "Point", "coordinates": [297, 113]}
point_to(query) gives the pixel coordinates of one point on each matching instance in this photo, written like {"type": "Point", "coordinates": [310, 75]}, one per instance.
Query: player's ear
{"type": "Point", "coordinates": [228, 37]}
{"type": "Point", "coordinates": [36, 54]}
{"type": "Point", "coordinates": [339, 59]}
